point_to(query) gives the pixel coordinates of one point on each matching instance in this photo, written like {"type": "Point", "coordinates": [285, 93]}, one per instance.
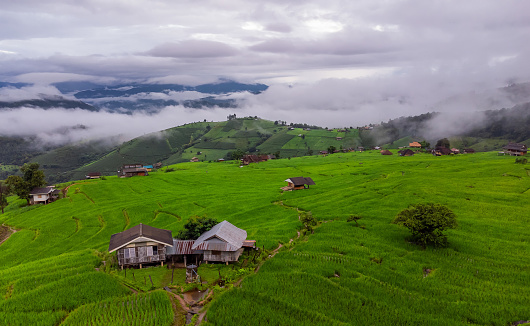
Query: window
{"type": "Point", "coordinates": [155, 250]}
{"type": "Point", "coordinates": [129, 253]}
{"type": "Point", "coordinates": [149, 251]}
{"type": "Point", "coordinates": [216, 253]}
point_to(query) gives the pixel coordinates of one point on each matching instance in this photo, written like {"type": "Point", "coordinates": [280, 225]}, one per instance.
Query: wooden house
{"type": "Point", "coordinates": [406, 152]}
{"type": "Point", "coordinates": [223, 243]}
{"type": "Point", "coordinates": [297, 183]}
{"type": "Point", "coordinates": [93, 175]}
{"type": "Point", "coordinates": [455, 150]}
{"type": "Point", "coordinates": [469, 151]}
{"type": "Point", "coordinates": [415, 144]}
{"type": "Point", "coordinates": [439, 151]}
{"type": "Point", "coordinates": [44, 195]}
{"type": "Point", "coordinates": [386, 152]}
{"type": "Point", "coordinates": [131, 170]}
{"type": "Point", "coordinates": [516, 149]}
{"type": "Point", "coordinates": [194, 159]}
{"type": "Point", "coordinates": [360, 149]}
{"type": "Point", "coordinates": [140, 245]}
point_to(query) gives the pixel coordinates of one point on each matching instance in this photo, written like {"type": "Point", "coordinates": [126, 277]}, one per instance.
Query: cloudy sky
{"type": "Point", "coordinates": [327, 61]}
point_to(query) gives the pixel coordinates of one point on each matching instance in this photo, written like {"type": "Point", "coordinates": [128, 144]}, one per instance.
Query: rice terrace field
{"type": "Point", "coordinates": [52, 270]}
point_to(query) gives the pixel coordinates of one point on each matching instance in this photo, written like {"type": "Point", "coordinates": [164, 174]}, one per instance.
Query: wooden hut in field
{"type": "Point", "coordinates": [223, 243]}
{"type": "Point", "coordinates": [386, 152]}
{"type": "Point", "coordinates": [182, 254]}
{"type": "Point", "coordinates": [93, 175]}
{"type": "Point", "coordinates": [516, 149]}
{"type": "Point", "coordinates": [415, 144]}
{"type": "Point", "coordinates": [140, 245]}
{"type": "Point", "coordinates": [298, 183]}
{"type": "Point", "coordinates": [406, 152]}
{"type": "Point", "coordinates": [469, 151]}
{"type": "Point", "coordinates": [44, 195]}
{"type": "Point", "coordinates": [131, 170]}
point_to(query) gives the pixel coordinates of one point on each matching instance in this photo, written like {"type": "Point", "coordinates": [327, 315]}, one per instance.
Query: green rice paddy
{"type": "Point", "coordinates": [343, 274]}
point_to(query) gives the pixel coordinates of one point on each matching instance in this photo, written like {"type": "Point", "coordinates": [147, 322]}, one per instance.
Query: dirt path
{"type": "Point", "coordinates": [5, 233]}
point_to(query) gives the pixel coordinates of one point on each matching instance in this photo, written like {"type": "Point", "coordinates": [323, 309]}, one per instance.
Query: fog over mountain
{"type": "Point", "coordinates": [331, 63]}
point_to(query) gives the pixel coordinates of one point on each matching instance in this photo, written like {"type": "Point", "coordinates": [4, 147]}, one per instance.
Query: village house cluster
{"type": "Point", "coordinates": [144, 245]}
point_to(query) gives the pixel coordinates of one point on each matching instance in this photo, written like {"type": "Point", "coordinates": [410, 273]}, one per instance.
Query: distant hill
{"type": "Point", "coordinates": [48, 102]}
{"type": "Point", "coordinates": [210, 141]}
{"type": "Point", "coordinates": [153, 97]}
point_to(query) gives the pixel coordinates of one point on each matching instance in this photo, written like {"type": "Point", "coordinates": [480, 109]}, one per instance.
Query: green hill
{"type": "Point", "coordinates": [52, 271]}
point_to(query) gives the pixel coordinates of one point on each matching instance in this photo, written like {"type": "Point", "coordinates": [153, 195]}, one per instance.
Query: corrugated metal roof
{"type": "Point", "coordinates": [121, 239]}
{"type": "Point", "coordinates": [180, 247]}
{"type": "Point", "coordinates": [231, 236]}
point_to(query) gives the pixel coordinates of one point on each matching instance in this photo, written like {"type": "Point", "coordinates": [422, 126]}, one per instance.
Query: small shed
{"type": "Point", "coordinates": [44, 195]}
{"type": "Point", "coordinates": [516, 149]}
{"type": "Point", "coordinates": [149, 168]}
{"type": "Point", "coordinates": [469, 151]}
{"type": "Point", "coordinates": [93, 175]}
{"type": "Point", "coordinates": [223, 243]}
{"type": "Point", "coordinates": [141, 244]}
{"type": "Point", "coordinates": [415, 144]}
{"type": "Point", "coordinates": [194, 159]}
{"type": "Point", "coordinates": [386, 152]}
{"type": "Point", "coordinates": [181, 253]}
{"type": "Point", "coordinates": [406, 152]}
{"type": "Point", "coordinates": [297, 183]}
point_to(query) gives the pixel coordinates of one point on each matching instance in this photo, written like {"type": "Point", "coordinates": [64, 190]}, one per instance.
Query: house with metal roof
{"type": "Point", "coordinates": [131, 170]}
{"type": "Point", "coordinates": [141, 244]}
{"type": "Point", "coordinates": [44, 195]}
{"type": "Point", "coordinates": [297, 183]}
{"type": "Point", "coordinates": [223, 243]}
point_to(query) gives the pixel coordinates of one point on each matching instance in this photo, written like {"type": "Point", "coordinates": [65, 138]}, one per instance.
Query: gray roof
{"type": "Point", "coordinates": [223, 237]}
{"type": "Point", "coordinates": [516, 147]}
{"type": "Point", "coordinates": [42, 191]}
{"type": "Point", "coordinates": [300, 181]}
{"type": "Point", "coordinates": [122, 239]}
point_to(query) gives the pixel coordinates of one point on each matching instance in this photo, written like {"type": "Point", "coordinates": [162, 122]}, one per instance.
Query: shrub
{"type": "Point", "coordinates": [427, 222]}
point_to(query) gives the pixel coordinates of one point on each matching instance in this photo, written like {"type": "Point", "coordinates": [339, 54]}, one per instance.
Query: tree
{"type": "Point", "coordinates": [31, 178]}
{"type": "Point", "coordinates": [425, 144]}
{"type": "Point", "coordinates": [4, 192]}
{"type": "Point", "coordinates": [308, 221]}
{"type": "Point", "coordinates": [238, 154]}
{"type": "Point", "coordinates": [331, 149]}
{"type": "Point", "coordinates": [427, 222]}
{"type": "Point", "coordinates": [195, 227]}
{"type": "Point", "coordinates": [444, 142]}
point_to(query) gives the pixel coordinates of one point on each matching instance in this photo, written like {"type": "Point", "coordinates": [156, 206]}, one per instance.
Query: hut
{"type": "Point", "coordinates": [181, 253]}
{"type": "Point", "coordinates": [194, 159]}
{"type": "Point", "coordinates": [386, 152]}
{"type": "Point", "coordinates": [516, 149]}
{"type": "Point", "coordinates": [297, 183]}
{"type": "Point", "coordinates": [93, 175]}
{"type": "Point", "coordinates": [469, 151]}
{"type": "Point", "coordinates": [131, 170]}
{"type": "Point", "coordinates": [406, 152]}
{"type": "Point", "coordinates": [44, 195]}
{"type": "Point", "coordinates": [415, 144]}
{"type": "Point", "coordinates": [223, 243]}
{"type": "Point", "coordinates": [141, 244]}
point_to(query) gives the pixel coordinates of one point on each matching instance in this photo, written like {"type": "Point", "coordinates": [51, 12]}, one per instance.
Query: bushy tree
{"type": "Point", "coordinates": [331, 149]}
{"type": "Point", "coordinates": [427, 223]}
{"type": "Point", "coordinates": [195, 227]}
{"type": "Point", "coordinates": [444, 142]}
{"type": "Point", "coordinates": [31, 178]}
{"type": "Point", "coordinates": [4, 192]}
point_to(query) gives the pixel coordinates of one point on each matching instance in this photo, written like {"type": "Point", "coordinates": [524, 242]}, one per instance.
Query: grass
{"type": "Point", "coordinates": [342, 274]}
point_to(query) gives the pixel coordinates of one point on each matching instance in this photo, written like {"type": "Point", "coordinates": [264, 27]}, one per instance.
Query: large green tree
{"type": "Point", "coordinates": [195, 227]}
{"type": "Point", "coordinates": [31, 178]}
{"type": "Point", "coordinates": [4, 192]}
{"type": "Point", "coordinates": [427, 223]}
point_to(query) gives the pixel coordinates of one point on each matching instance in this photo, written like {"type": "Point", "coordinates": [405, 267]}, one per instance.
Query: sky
{"type": "Point", "coordinates": [332, 62]}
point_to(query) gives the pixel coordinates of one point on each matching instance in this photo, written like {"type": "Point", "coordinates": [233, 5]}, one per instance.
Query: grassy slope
{"type": "Point", "coordinates": [481, 278]}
